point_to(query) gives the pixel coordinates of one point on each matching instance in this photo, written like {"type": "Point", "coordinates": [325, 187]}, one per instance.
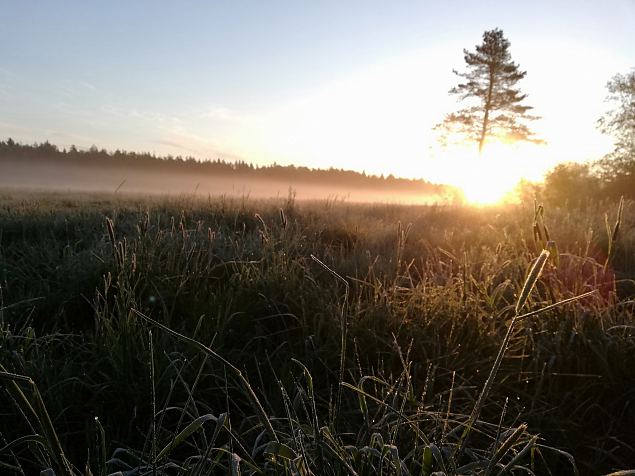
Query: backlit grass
{"type": "Point", "coordinates": [228, 335]}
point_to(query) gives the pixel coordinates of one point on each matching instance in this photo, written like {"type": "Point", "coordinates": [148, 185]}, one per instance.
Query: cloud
{"type": "Point", "coordinates": [11, 128]}
{"type": "Point", "coordinates": [69, 138]}
{"type": "Point", "coordinates": [191, 144]}
{"type": "Point", "coordinates": [221, 113]}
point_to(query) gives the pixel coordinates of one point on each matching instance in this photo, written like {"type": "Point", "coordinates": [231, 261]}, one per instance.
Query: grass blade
{"type": "Point", "coordinates": [260, 411]}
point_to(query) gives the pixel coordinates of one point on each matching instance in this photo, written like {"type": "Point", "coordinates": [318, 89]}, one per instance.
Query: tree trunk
{"type": "Point", "coordinates": [481, 141]}
{"type": "Point", "coordinates": [488, 106]}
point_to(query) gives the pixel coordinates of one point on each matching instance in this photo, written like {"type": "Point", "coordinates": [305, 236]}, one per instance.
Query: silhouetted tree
{"type": "Point", "coordinates": [494, 108]}
{"type": "Point", "coordinates": [47, 148]}
{"type": "Point", "coordinates": [123, 160]}
{"type": "Point", "coordinates": [571, 182]}
{"type": "Point", "coordinates": [618, 167]}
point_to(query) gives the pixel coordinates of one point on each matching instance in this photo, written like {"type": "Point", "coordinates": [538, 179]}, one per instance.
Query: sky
{"type": "Point", "coordinates": [349, 84]}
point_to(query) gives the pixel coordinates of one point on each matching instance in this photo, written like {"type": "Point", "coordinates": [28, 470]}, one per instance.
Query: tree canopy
{"type": "Point", "coordinates": [129, 162]}
{"type": "Point", "coordinates": [619, 164]}
{"type": "Point", "coordinates": [494, 104]}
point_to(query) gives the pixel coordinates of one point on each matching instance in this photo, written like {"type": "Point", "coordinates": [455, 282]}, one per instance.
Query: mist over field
{"type": "Point", "coordinates": [55, 171]}
{"type": "Point", "coordinates": [317, 238]}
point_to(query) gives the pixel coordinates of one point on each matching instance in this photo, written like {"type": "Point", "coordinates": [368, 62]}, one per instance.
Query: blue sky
{"type": "Point", "coordinates": [354, 84]}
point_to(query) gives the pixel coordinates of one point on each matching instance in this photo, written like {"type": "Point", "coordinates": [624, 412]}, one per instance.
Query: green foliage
{"type": "Point", "coordinates": [620, 121]}
{"type": "Point", "coordinates": [571, 182]}
{"type": "Point", "coordinates": [617, 169]}
{"type": "Point", "coordinates": [578, 184]}
{"type": "Point", "coordinates": [265, 361]}
{"type": "Point", "coordinates": [611, 177]}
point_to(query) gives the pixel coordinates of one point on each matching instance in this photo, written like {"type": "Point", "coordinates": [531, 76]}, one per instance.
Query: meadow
{"type": "Point", "coordinates": [188, 335]}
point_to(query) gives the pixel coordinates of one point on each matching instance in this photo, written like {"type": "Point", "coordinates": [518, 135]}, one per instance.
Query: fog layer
{"type": "Point", "coordinates": [21, 174]}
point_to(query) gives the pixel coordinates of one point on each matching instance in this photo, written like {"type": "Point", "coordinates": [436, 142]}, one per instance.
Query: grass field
{"type": "Point", "coordinates": [236, 336]}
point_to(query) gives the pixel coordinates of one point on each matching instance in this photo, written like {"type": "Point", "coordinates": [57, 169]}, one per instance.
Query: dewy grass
{"type": "Point", "coordinates": [528, 286]}
{"type": "Point", "coordinates": [203, 269]}
{"type": "Point", "coordinates": [343, 332]}
{"type": "Point", "coordinates": [613, 235]}
{"type": "Point", "coordinates": [530, 282]}
{"type": "Point", "coordinates": [153, 397]}
{"type": "Point", "coordinates": [39, 418]}
{"type": "Point", "coordinates": [260, 412]}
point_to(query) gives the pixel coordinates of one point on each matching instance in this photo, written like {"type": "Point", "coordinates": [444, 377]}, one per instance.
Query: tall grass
{"type": "Point", "coordinates": [312, 338]}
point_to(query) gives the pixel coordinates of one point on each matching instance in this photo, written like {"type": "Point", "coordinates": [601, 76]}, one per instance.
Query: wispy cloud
{"type": "Point", "coordinates": [38, 134]}
{"type": "Point", "coordinates": [87, 85]}
{"type": "Point", "coordinates": [4, 92]}
{"type": "Point", "coordinates": [191, 144]}
{"type": "Point", "coordinates": [227, 114]}
{"type": "Point", "coordinates": [8, 128]}
{"type": "Point", "coordinates": [203, 133]}
{"type": "Point", "coordinates": [65, 139]}
{"type": "Point", "coordinates": [177, 145]}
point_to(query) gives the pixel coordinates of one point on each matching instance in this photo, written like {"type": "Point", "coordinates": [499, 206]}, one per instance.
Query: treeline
{"type": "Point", "coordinates": [93, 157]}
{"type": "Point", "coordinates": [575, 183]}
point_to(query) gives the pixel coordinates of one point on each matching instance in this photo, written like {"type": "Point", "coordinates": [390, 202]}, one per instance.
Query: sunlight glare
{"type": "Point", "coordinates": [492, 177]}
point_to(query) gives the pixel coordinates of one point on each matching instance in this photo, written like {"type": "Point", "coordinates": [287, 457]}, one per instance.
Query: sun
{"type": "Point", "coordinates": [489, 178]}
{"type": "Point", "coordinates": [489, 193]}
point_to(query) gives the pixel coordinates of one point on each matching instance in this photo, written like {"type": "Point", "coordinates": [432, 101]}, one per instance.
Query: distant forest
{"type": "Point", "coordinates": [134, 162]}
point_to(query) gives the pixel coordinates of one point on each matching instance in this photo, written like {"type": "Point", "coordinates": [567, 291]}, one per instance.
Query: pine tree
{"type": "Point", "coordinates": [495, 109]}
